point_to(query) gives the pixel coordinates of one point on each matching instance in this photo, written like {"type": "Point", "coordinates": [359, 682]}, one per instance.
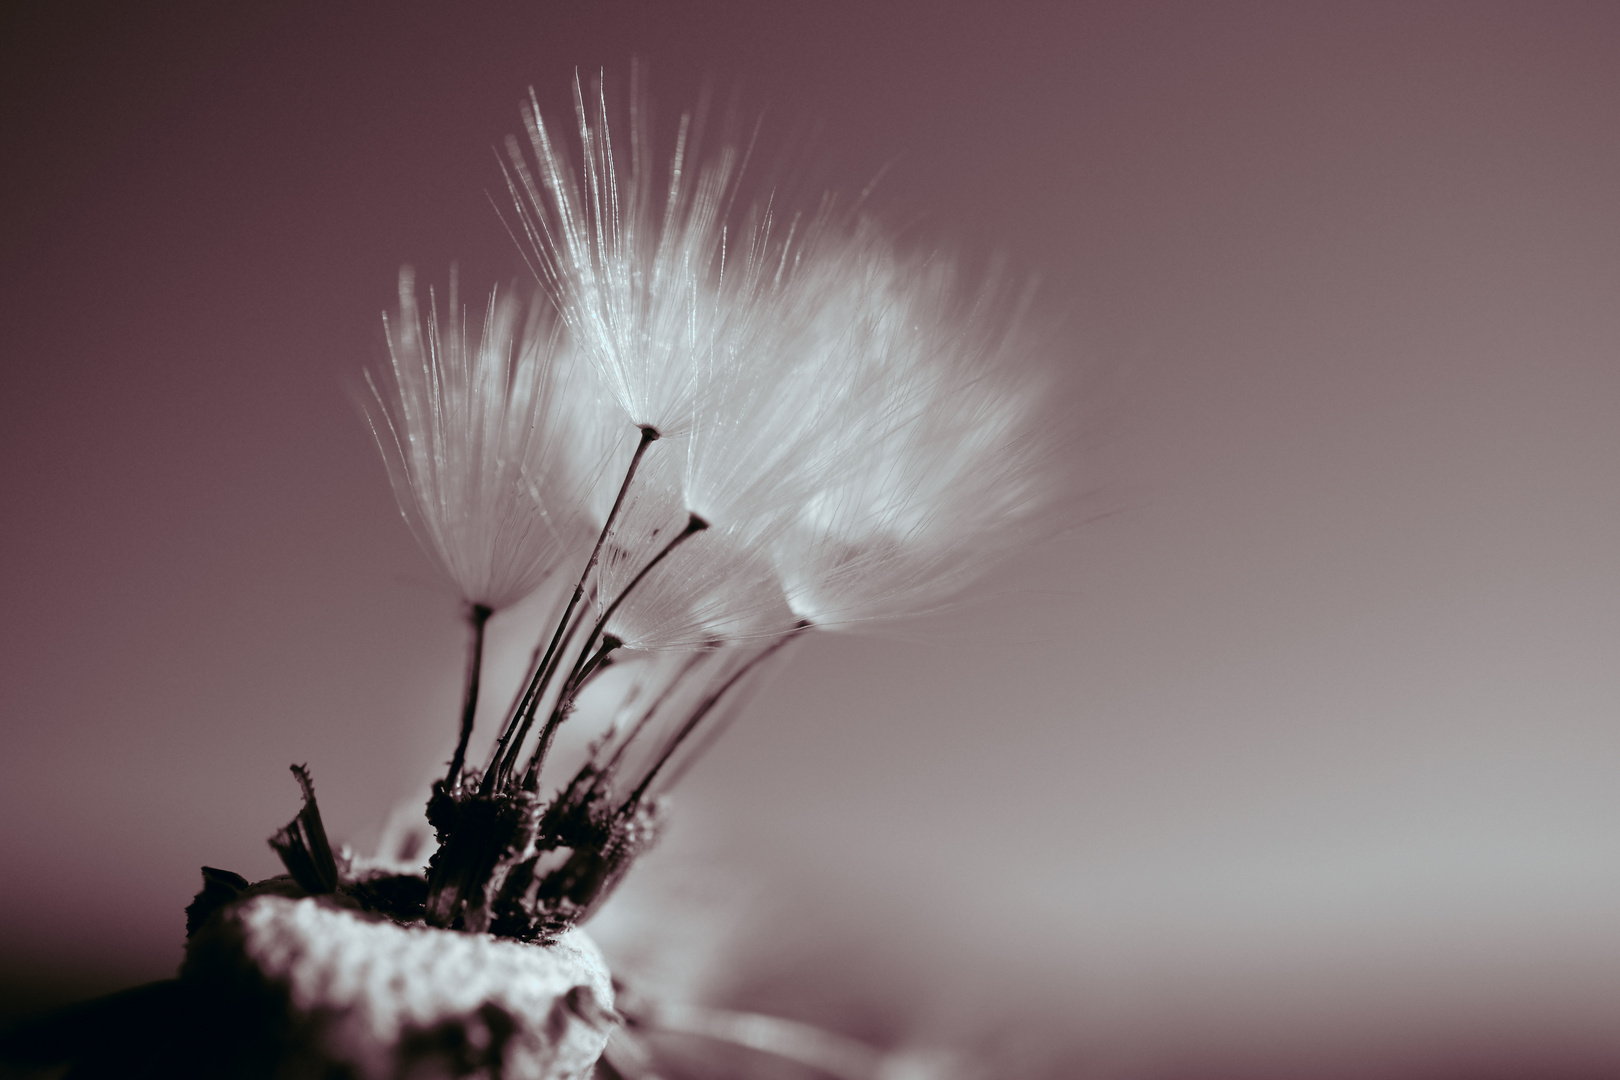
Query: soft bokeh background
{"type": "Point", "coordinates": [1314, 771]}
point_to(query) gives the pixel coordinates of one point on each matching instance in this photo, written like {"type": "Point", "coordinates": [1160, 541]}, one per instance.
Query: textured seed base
{"type": "Point", "coordinates": [380, 1000]}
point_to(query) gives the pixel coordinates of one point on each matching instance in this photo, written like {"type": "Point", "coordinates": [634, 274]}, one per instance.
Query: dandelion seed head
{"type": "Point", "coordinates": [732, 427]}
{"type": "Point", "coordinates": [635, 268]}
{"type": "Point", "coordinates": [461, 426]}
{"type": "Point", "coordinates": [955, 434]}
{"type": "Point", "coordinates": [844, 407]}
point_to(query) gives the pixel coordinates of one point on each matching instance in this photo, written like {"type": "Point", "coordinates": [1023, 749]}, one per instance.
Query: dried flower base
{"type": "Point", "coordinates": [338, 992]}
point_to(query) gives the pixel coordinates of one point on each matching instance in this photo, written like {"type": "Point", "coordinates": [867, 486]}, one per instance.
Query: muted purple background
{"type": "Point", "coordinates": [1317, 758]}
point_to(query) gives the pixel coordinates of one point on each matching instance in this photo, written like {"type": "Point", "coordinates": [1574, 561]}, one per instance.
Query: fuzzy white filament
{"type": "Point", "coordinates": [468, 433]}
{"type": "Point", "coordinates": [956, 463]}
{"type": "Point", "coordinates": [635, 273]}
{"type": "Point", "coordinates": [836, 413]}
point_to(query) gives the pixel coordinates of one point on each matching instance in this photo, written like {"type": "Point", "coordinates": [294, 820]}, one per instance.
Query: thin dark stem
{"type": "Point", "coordinates": [590, 662]}
{"type": "Point", "coordinates": [525, 688]}
{"type": "Point", "coordinates": [478, 617]}
{"type": "Point", "coordinates": [528, 705]}
{"type": "Point", "coordinates": [506, 749]}
{"type": "Point", "coordinates": [606, 771]}
{"type": "Point", "coordinates": [705, 708]}
{"type": "Point", "coordinates": [709, 733]}
{"type": "Point", "coordinates": [601, 659]}
{"type": "Point", "coordinates": [535, 687]}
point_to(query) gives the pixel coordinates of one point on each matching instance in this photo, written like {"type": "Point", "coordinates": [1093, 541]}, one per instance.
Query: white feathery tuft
{"type": "Point", "coordinates": [636, 271]}
{"type": "Point", "coordinates": [950, 474]}
{"type": "Point", "coordinates": [847, 420]}
{"type": "Point", "coordinates": [717, 587]}
{"type": "Point", "coordinates": [465, 430]}
{"type": "Point", "coordinates": [588, 432]}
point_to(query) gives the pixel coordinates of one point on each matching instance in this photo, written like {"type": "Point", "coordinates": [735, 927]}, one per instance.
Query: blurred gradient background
{"type": "Point", "coordinates": [1313, 772]}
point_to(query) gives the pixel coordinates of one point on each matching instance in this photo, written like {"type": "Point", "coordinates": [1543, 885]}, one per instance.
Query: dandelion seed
{"type": "Point", "coordinates": [466, 432]}
{"type": "Point", "coordinates": [636, 272]}
{"type": "Point", "coordinates": [954, 471]}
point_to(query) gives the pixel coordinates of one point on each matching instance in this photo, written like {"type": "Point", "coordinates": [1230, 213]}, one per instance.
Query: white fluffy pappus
{"type": "Point", "coordinates": [854, 423]}
{"type": "Point", "coordinates": [469, 434]}
{"type": "Point", "coordinates": [637, 272]}
{"type": "Point", "coordinates": [718, 586]}
{"type": "Point", "coordinates": [957, 465]}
